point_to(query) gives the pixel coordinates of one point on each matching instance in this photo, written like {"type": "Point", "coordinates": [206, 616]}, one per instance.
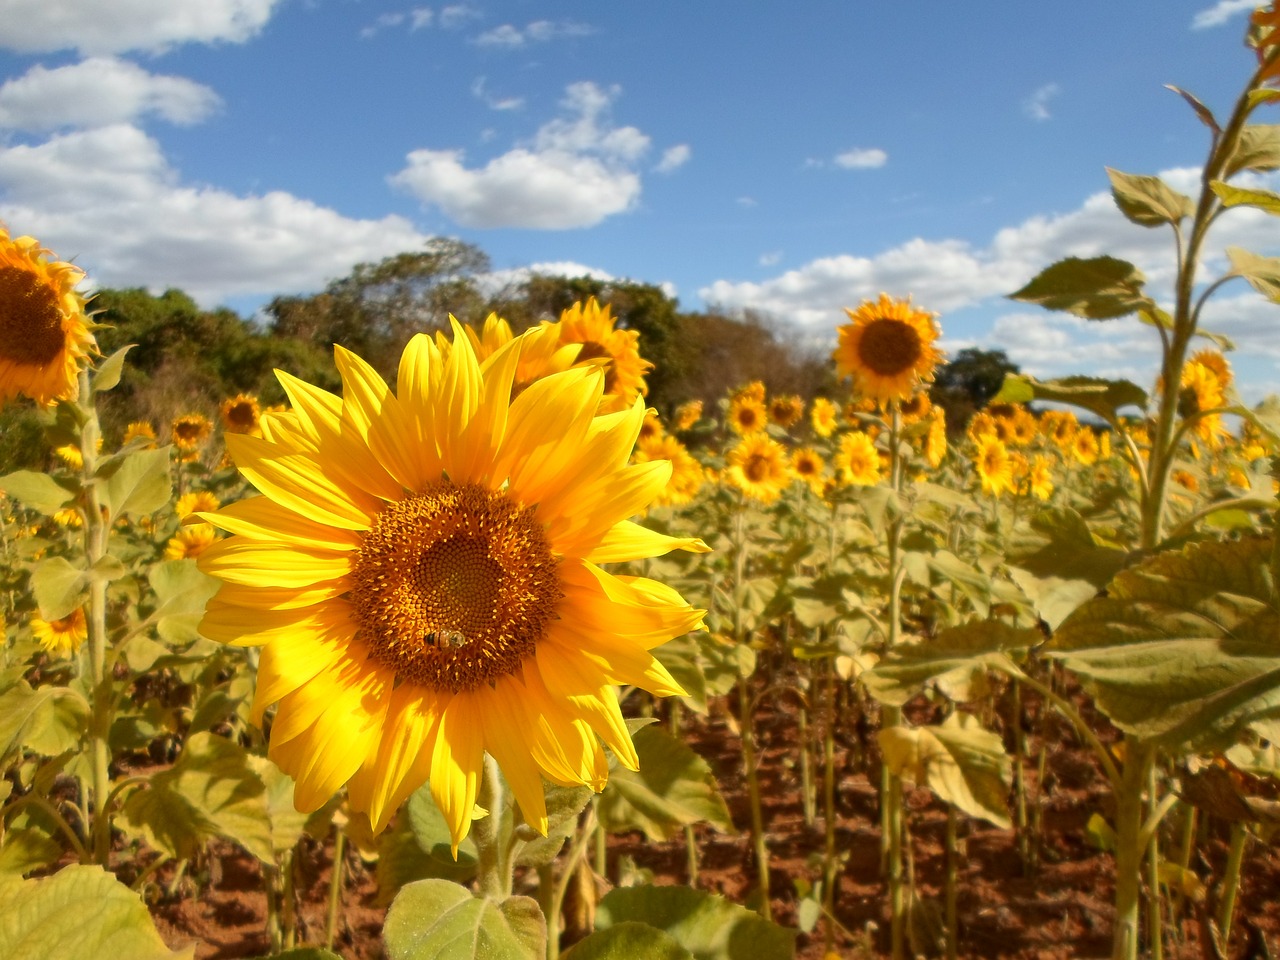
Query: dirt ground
{"type": "Point", "coordinates": [1058, 908]}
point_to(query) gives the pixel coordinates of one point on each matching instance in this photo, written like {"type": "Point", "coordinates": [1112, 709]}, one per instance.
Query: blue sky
{"type": "Point", "coordinates": [788, 158]}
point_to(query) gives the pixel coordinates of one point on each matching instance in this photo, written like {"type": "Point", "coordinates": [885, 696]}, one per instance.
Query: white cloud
{"type": "Point", "coordinates": [479, 89]}
{"type": "Point", "coordinates": [1220, 13]}
{"type": "Point", "coordinates": [673, 158]}
{"type": "Point", "coordinates": [420, 17]}
{"type": "Point", "coordinates": [509, 37]}
{"type": "Point", "coordinates": [496, 281]}
{"type": "Point", "coordinates": [98, 92]}
{"type": "Point", "coordinates": [115, 26]}
{"type": "Point", "coordinates": [109, 199]}
{"type": "Point", "coordinates": [771, 259]}
{"type": "Point", "coordinates": [384, 22]}
{"type": "Point", "coordinates": [457, 14]}
{"type": "Point", "coordinates": [1036, 106]}
{"type": "Point", "coordinates": [862, 159]}
{"type": "Point", "coordinates": [577, 171]}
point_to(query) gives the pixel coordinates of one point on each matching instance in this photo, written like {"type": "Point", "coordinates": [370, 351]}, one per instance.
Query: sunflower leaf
{"type": "Point", "coordinates": [107, 374]}
{"type": "Point", "coordinates": [59, 588]}
{"type": "Point", "coordinates": [140, 484]}
{"type": "Point", "coordinates": [1184, 650]}
{"type": "Point", "coordinates": [435, 918]}
{"type": "Point", "coordinates": [26, 850]}
{"type": "Point", "coordinates": [1264, 200]}
{"type": "Point", "coordinates": [109, 919]}
{"type": "Point", "coordinates": [626, 940]}
{"type": "Point", "coordinates": [708, 926]}
{"type": "Point", "coordinates": [1100, 288]}
{"type": "Point", "coordinates": [674, 787]}
{"type": "Point", "coordinates": [39, 491]}
{"type": "Point", "coordinates": [1262, 273]}
{"type": "Point", "coordinates": [1258, 148]}
{"type": "Point", "coordinates": [47, 720]}
{"type": "Point", "coordinates": [1204, 113]}
{"type": "Point", "coordinates": [961, 762]}
{"type": "Point", "coordinates": [1148, 201]}
{"type": "Point", "coordinates": [1102, 397]}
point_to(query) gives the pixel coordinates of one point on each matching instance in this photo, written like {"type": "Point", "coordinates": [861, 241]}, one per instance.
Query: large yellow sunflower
{"type": "Point", "coordinates": [758, 467]}
{"type": "Point", "coordinates": [858, 460]}
{"type": "Point", "coordinates": [747, 415]}
{"type": "Point", "coordinates": [423, 570]}
{"type": "Point", "coordinates": [591, 326]}
{"type": "Point", "coordinates": [887, 348]}
{"type": "Point", "coordinates": [994, 466]}
{"type": "Point", "coordinates": [44, 334]}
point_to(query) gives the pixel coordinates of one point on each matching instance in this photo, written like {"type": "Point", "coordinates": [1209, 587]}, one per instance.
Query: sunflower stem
{"type": "Point", "coordinates": [495, 873]}
{"type": "Point", "coordinates": [335, 885]}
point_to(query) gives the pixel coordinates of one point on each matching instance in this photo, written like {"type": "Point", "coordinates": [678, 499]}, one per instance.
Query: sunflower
{"type": "Point", "coordinates": [140, 430]}
{"type": "Point", "coordinates": [754, 390]}
{"type": "Point", "coordinates": [1024, 426]}
{"type": "Point", "coordinates": [916, 407]}
{"type": "Point", "coordinates": [686, 473]}
{"type": "Point", "coordinates": [995, 468]}
{"type": "Point", "coordinates": [807, 465]}
{"type": "Point", "coordinates": [786, 411]}
{"type": "Point", "coordinates": [747, 415]}
{"type": "Point", "coordinates": [758, 467]}
{"type": "Point", "coordinates": [198, 501]}
{"type": "Point", "coordinates": [1060, 427]}
{"type": "Point", "coordinates": [70, 455]}
{"type": "Point", "coordinates": [68, 517]}
{"type": "Point", "coordinates": [624, 369]}
{"type": "Point", "coordinates": [61, 637]}
{"type": "Point", "coordinates": [858, 461]}
{"type": "Point", "coordinates": [1085, 447]}
{"type": "Point", "coordinates": [190, 541]}
{"type": "Point", "coordinates": [1041, 477]}
{"type": "Point", "coordinates": [44, 334]}
{"type": "Point", "coordinates": [541, 352]}
{"type": "Point", "coordinates": [423, 570]}
{"type": "Point", "coordinates": [190, 431]}
{"type": "Point", "coordinates": [651, 428]}
{"type": "Point", "coordinates": [240, 414]}
{"type": "Point", "coordinates": [935, 441]}
{"type": "Point", "coordinates": [824, 416]}
{"type": "Point", "coordinates": [887, 348]}
{"type": "Point", "coordinates": [687, 414]}
{"type": "Point", "coordinates": [981, 424]}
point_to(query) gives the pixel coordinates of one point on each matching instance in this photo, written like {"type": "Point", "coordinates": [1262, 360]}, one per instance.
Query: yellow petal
{"type": "Point", "coordinates": [576, 525]}
{"type": "Point", "coordinates": [256, 564]}
{"type": "Point", "coordinates": [421, 368]}
{"type": "Point", "coordinates": [298, 483]}
{"type": "Point", "coordinates": [295, 658]}
{"type": "Point", "coordinates": [638, 610]}
{"type": "Point", "coordinates": [249, 627]}
{"type": "Point", "coordinates": [597, 706]}
{"type": "Point", "coordinates": [371, 410]}
{"type": "Point", "coordinates": [261, 518]}
{"type": "Point", "coordinates": [628, 540]}
{"type": "Point", "coordinates": [506, 729]}
{"type": "Point", "coordinates": [564, 747]}
{"type": "Point", "coordinates": [456, 765]}
{"type": "Point", "coordinates": [546, 427]}
{"type": "Point", "coordinates": [278, 598]}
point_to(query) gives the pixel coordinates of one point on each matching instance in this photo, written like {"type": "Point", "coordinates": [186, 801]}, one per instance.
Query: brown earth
{"type": "Point", "coordinates": [1059, 906]}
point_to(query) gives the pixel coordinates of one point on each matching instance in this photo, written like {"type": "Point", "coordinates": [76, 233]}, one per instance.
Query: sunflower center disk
{"type": "Point", "coordinates": [757, 468]}
{"type": "Point", "coordinates": [454, 587]}
{"type": "Point", "coordinates": [890, 347]}
{"type": "Point", "coordinates": [32, 332]}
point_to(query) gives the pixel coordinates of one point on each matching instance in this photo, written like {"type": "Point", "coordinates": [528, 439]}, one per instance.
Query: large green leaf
{"type": "Point", "coordinates": [59, 587]}
{"type": "Point", "coordinates": [1148, 201]}
{"type": "Point", "coordinates": [1102, 397]}
{"type": "Point", "coordinates": [1184, 650]}
{"type": "Point", "coordinates": [1230, 196]}
{"type": "Point", "coordinates": [962, 763]}
{"type": "Point", "coordinates": [1262, 273]}
{"type": "Point", "coordinates": [108, 371]}
{"type": "Point", "coordinates": [439, 920]}
{"type": "Point", "coordinates": [79, 913]}
{"type": "Point", "coordinates": [956, 661]}
{"type": "Point", "coordinates": [1100, 288]}
{"type": "Point", "coordinates": [139, 483]}
{"type": "Point", "coordinates": [674, 787]}
{"type": "Point", "coordinates": [45, 720]}
{"type": "Point", "coordinates": [39, 491]}
{"type": "Point", "coordinates": [708, 926]}
{"type": "Point", "coordinates": [627, 941]}
{"type": "Point", "coordinates": [182, 591]}
{"type": "Point", "coordinates": [564, 804]}
{"type": "Point", "coordinates": [28, 849]}
{"type": "Point", "coordinates": [1257, 149]}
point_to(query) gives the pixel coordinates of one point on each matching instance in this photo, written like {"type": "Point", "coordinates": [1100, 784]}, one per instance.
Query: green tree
{"type": "Point", "coordinates": [967, 382]}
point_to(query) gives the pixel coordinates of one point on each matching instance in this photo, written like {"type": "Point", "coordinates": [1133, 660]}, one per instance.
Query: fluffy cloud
{"type": "Point", "coordinates": [100, 91]}
{"type": "Point", "coordinates": [1220, 13]}
{"type": "Point", "coordinates": [108, 198]}
{"type": "Point", "coordinates": [114, 26]}
{"type": "Point", "coordinates": [1036, 106]}
{"type": "Point", "coordinates": [539, 31]}
{"type": "Point", "coordinates": [862, 159]}
{"type": "Point", "coordinates": [673, 158]}
{"type": "Point", "coordinates": [577, 171]}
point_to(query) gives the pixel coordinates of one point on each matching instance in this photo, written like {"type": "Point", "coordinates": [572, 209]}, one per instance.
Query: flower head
{"type": "Point", "coordinates": [887, 348]}
{"type": "Point", "coordinates": [591, 326]}
{"type": "Point", "coordinates": [140, 430]}
{"type": "Point", "coordinates": [240, 413]}
{"type": "Point", "coordinates": [190, 541]}
{"type": "Point", "coordinates": [786, 410]}
{"type": "Point", "coordinates": [44, 334]}
{"type": "Point", "coordinates": [824, 416]}
{"type": "Point", "coordinates": [747, 415]}
{"type": "Point", "coordinates": [995, 468]}
{"type": "Point", "coordinates": [190, 431]}
{"type": "Point", "coordinates": [61, 637]}
{"type": "Point", "coordinates": [758, 467]}
{"type": "Point", "coordinates": [858, 460]}
{"type": "Point", "coordinates": [423, 572]}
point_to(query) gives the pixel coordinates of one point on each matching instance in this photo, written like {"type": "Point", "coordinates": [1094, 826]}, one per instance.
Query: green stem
{"type": "Point", "coordinates": [47, 806]}
{"type": "Point", "coordinates": [807, 797]}
{"type": "Point", "coordinates": [335, 886]}
{"type": "Point", "coordinates": [1130, 848]}
{"type": "Point", "coordinates": [952, 886]}
{"type": "Point", "coordinates": [1155, 929]}
{"type": "Point", "coordinates": [758, 843]}
{"type": "Point", "coordinates": [830, 877]}
{"type": "Point", "coordinates": [1231, 883]}
{"type": "Point", "coordinates": [495, 873]}
{"type": "Point", "coordinates": [567, 872]}
{"type": "Point", "coordinates": [891, 786]}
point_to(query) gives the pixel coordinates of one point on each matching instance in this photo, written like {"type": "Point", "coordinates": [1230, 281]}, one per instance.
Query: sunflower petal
{"type": "Point", "coordinates": [628, 540]}
{"type": "Point", "coordinates": [457, 761]}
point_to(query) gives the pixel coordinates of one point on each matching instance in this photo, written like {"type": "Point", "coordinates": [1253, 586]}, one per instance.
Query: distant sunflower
{"type": "Point", "coordinates": [995, 468]}
{"type": "Point", "coordinates": [190, 541]}
{"type": "Point", "coordinates": [786, 411]}
{"type": "Point", "coordinates": [1025, 428]}
{"type": "Point", "coordinates": [198, 501]}
{"type": "Point", "coordinates": [687, 414]}
{"type": "Point", "coordinates": [624, 369]}
{"type": "Point", "coordinates": [1085, 447]}
{"type": "Point", "coordinates": [424, 571]}
{"type": "Point", "coordinates": [70, 455]}
{"type": "Point", "coordinates": [981, 424]}
{"type": "Point", "coordinates": [44, 333]}
{"type": "Point", "coordinates": [541, 353]}
{"type": "Point", "coordinates": [916, 407]}
{"type": "Point", "coordinates": [747, 415]}
{"type": "Point", "coordinates": [190, 431]}
{"type": "Point", "coordinates": [1060, 427]}
{"type": "Point", "coordinates": [935, 441]}
{"type": "Point", "coordinates": [140, 430]}
{"type": "Point", "coordinates": [824, 417]}
{"type": "Point", "coordinates": [651, 428]}
{"type": "Point", "coordinates": [64, 636]}
{"type": "Point", "coordinates": [858, 460]}
{"type": "Point", "coordinates": [240, 414]}
{"type": "Point", "coordinates": [1041, 477]}
{"type": "Point", "coordinates": [887, 348]}
{"type": "Point", "coordinates": [758, 467]}
{"type": "Point", "coordinates": [807, 465]}
{"type": "Point", "coordinates": [686, 473]}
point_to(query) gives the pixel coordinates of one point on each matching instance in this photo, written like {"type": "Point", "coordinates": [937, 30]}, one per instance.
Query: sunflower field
{"type": "Point", "coordinates": [488, 659]}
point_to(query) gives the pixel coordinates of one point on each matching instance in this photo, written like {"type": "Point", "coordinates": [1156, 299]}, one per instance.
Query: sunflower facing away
{"type": "Point", "coordinates": [591, 326]}
{"type": "Point", "coordinates": [44, 334]}
{"type": "Point", "coordinates": [887, 348]}
{"type": "Point", "coordinates": [423, 573]}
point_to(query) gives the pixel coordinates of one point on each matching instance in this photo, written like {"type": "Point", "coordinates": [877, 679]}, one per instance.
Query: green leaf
{"type": "Point", "coordinates": [1262, 273]}
{"type": "Point", "coordinates": [1203, 112]}
{"type": "Point", "coordinates": [302, 953]}
{"type": "Point", "coordinates": [107, 375]}
{"type": "Point", "coordinates": [708, 926]}
{"type": "Point", "coordinates": [27, 850]}
{"type": "Point", "coordinates": [439, 920]}
{"type": "Point", "coordinates": [959, 761]}
{"type": "Point", "coordinates": [674, 787]}
{"type": "Point", "coordinates": [628, 941]}
{"type": "Point", "coordinates": [182, 591]}
{"type": "Point", "coordinates": [1148, 201]}
{"type": "Point", "coordinates": [59, 588]}
{"type": "Point", "coordinates": [967, 578]}
{"type": "Point", "coordinates": [1061, 565]}
{"type": "Point", "coordinates": [46, 720]}
{"type": "Point", "coordinates": [139, 484]}
{"type": "Point", "coordinates": [1257, 149]}
{"type": "Point", "coordinates": [1100, 288]}
{"type": "Point", "coordinates": [1262, 95]}
{"type": "Point", "coordinates": [564, 804]}
{"type": "Point", "coordinates": [956, 661]}
{"type": "Point", "coordinates": [286, 823]}
{"type": "Point", "coordinates": [1184, 650]}
{"type": "Point", "coordinates": [79, 913]}
{"type": "Point", "coordinates": [1231, 196]}
{"type": "Point", "coordinates": [1103, 397]}
{"type": "Point", "coordinates": [39, 491]}
{"type": "Point", "coordinates": [431, 832]}
{"type": "Point", "coordinates": [680, 657]}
